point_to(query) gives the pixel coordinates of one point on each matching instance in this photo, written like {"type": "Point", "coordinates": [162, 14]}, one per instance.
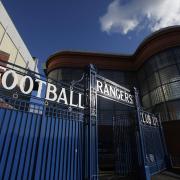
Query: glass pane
{"type": "Point", "coordinates": [77, 74]}
{"type": "Point", "coordinates": [118, 77]}
{"type": "Point", "coordinates": [177, 53]}
{"type": "Point", "coordinates": [154, 81]}
{"type": "Point", "coordinates": [130, 78]}
{"type": "Point", "coordinates": [143, 87]}
{"type": "Point", "coordinates": [66, 74]}
{"type": "Point", "coordinates": [146, 101]}
{"type": "Point", "coordinates": [53, 75]}
{"type": "Point", "coordinates": [165, 58]}
{"type": "Point", "coordinates": [151, 65]}
{"type": "Point", "coordinates": [172, 90]}
{"type": "Point", "coordinates": [161, 108]}
{"type": "Point", "coordinates": [141, 74]}
{"type": "Point", "coordinates": [169, 74]}
{"type": "Point", "coordinates": [173, 107]}
{"type": "Point", "coordinates": [157, 96]}
{"type": "Point", "coordinates": [107, 74]}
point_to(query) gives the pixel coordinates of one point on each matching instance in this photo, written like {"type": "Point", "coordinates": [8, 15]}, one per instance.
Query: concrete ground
{"type": "Point", "coordinates": [172, 174]}
{"type": "Point", "coordinates": [110, 176]}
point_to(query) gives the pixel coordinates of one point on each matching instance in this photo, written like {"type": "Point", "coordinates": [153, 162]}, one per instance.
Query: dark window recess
{"type": "Point", "coordinates": [169, 74]}
{"type": "Point", "coordinates": [165, 58]}
{"type": "Point", "coordinates": [153, 81]}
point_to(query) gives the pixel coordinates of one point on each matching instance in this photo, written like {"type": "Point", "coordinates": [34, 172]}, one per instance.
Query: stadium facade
{"type": "Point", "coordinates": [154, 69]}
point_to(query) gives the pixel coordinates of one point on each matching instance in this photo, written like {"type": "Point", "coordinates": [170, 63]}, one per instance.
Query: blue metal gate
{"type": "Point", "coordinates": [42, 139]}
{"type": "Point", "coordinates": [151, 147]}
{"type": "Point", "coordinates": [41, 143]}
{"type": "Point", "coordinates": [39, 139]}
{"type": "Point", "coordinates": [125, 147]}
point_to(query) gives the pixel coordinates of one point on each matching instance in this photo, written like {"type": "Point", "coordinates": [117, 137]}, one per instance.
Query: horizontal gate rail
{"type": "Point", "coordinates": [39, 138]}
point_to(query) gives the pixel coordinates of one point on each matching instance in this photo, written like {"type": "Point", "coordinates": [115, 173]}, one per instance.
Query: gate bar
{"type": "Point", "coordinates": [90, 126]}
{"type": "Point", "coordinates": [144, 170]}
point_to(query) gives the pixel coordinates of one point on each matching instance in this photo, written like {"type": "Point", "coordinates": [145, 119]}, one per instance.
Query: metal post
{"type": "Point", "coordinates": [90, 126]}
{"type": "Point", "coordinates": [167, 157]}
{"type": "Point", "coordinates": [144, 170]}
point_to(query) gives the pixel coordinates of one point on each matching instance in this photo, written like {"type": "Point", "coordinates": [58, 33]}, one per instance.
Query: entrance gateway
{"type": "Point", "coordinates": [52, 134]}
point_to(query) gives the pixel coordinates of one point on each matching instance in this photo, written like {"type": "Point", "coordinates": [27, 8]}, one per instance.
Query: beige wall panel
{"type": "Point", "coordinates": [2, 30]}
{"type": "Point", "coordinates": [8, 47]}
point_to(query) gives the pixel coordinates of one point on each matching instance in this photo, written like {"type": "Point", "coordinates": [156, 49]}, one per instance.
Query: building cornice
{"type": "Point", "coordinates": [158, 41]}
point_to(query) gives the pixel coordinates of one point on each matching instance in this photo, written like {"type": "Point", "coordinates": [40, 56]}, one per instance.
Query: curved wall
{"type": "Point", "coordinates": [157, 42]}
{"type": "Point", "coordinates": [159, 83]}
{"type": "Point", "coordinates": [154, 68]}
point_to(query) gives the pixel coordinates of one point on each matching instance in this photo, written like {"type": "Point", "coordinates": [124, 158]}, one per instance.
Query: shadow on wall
{"type": "Point", "coordinates": [172, 136]}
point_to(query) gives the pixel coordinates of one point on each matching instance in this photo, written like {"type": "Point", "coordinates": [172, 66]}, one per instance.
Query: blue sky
{"type": "Point", "coordinates": [117, 26]}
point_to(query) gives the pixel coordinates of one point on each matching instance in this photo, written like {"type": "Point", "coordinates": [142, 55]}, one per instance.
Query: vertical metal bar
{"type": "Point", "coordinates": [33, 147]}
{"type": "Point", "coordinates": [62, 145]}
{"type": "Point", "coordinates": [167, 158]}
{"type": "Point", "coordinates": [54, 144]}
{"type": "Point", "coordinates": [76, 128]}
{"type": "Point", "coordinates": [25, 145]}
{"type": "Point", "coordinates": [21, 157]}
{"type": "Point", "coordinates": [58, 148]}
{"type": "Point", "coordinates": [90, 126]}
{"type": "Point", "coordinates": [144, 174]}
{"type": "Point", "coordinates": [16, 154]}
{"type": "Point", "coordinates": [6, 146]}
{"type": "Point", "coordinates": [50, 148]}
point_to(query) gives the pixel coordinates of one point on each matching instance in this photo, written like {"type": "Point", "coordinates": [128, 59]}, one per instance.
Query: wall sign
{"type": "Point", "coordinates": [149, 119]}
{"type": "Point", "coordinates": [113, 91]}
{"type": "Point", "coordinates": [105, 88]}
{"type": "Point", "coordinates": [54, 94]}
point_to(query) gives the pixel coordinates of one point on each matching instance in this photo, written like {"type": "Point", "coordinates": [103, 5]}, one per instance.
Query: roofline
{"type": "Point", "coordinates": [152, 39]}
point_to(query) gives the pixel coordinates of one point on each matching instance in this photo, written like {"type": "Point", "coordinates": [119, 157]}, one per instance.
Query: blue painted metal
{"type": "Point", "coordinates": [53, 141]}
{"type": "Point", "coordinates": [39, 140]}
{"type": "Point", "coordinates": [41, 145]}
{"type": "Point", "coordinates": [153, 157]}
{"type": "Point", "coordinates": [90, 126]}
{"type": "Point", "coordinates": [124, 137]}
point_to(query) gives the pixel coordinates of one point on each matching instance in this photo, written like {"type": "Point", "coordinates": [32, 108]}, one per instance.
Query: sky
{"type": "Point", "coordinates": [108, 26]}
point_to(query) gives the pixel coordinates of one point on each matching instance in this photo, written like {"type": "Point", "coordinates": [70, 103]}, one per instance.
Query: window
{"type": "Point", "coordinates": [66, 74]}
{"type": "Point", "coordinates": [151, 65]}
{"type": "Point", "coordinates": [169, 74]}
{"type": "Point", "coordinates": [146, 101]}
{"type": "Point", "coordinates": [177, 53]}
{"type": "Point", "coordinates": [53, 75]}
{"type": "Point", "coordinates": [154, 81]}
{"type": "Point", "coordinates": [141, 74]}
{"type": "Point", "coordinates": [157, 96]}
{"type": "Point", "coordinates": [165, 58]}
{"type": "Point", "coordinates": [173, 107]}
{"type": "Point", "coordinates": [77, 74]}
{"type": "Point", "coordinates": [172, 90]}
{"type": "Point", "coordinates": [144, 87]}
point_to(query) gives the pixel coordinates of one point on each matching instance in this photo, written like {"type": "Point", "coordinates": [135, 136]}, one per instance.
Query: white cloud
{"type": "Point", "coordinates": [123, 17]}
